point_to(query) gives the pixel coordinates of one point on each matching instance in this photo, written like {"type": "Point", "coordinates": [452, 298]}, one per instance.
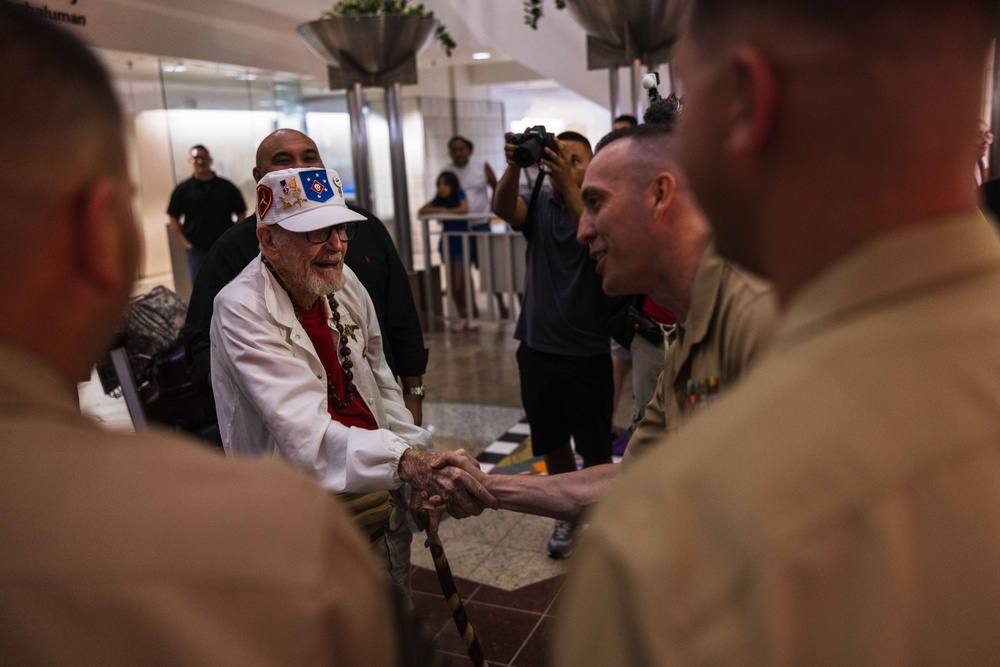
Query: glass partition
{"type": "Point", "coordinates": [172, 105]}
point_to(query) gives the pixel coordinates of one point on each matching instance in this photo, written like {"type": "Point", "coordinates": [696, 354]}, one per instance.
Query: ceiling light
{"type": "Point", "coordinates": [179, 67]}
{"type": "Point", "coordinates": [482, 55]}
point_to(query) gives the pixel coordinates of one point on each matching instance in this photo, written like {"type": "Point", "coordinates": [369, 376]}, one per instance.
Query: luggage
{"type": "Point", "coordinates": [150, 336]}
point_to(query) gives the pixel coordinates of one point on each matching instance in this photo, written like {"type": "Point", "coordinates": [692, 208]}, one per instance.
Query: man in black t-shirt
{"type": "Point", "coordinates": [202, 208]}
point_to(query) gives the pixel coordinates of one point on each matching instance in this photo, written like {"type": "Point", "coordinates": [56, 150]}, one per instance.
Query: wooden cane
{"type": "Point", "coordinates": [450, 590]}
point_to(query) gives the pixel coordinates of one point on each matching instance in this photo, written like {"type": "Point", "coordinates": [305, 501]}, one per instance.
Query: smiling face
{"type": "Point", "coordinates": [286, 149]}
{"type": "Point", "coordinates": [617, 221]}
{"type": "Point", "coordinates": [309, 270]}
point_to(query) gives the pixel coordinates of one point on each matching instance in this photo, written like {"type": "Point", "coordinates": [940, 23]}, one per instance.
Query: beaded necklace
{"type": "Point", "coordinates": [346, 364]}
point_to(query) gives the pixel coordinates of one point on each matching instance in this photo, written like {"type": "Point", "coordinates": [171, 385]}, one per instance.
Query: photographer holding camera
{"type": "Point", "coordinates": [564, 357]}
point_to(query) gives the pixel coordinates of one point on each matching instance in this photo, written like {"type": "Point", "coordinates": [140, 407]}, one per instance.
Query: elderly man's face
{"type": "Point", "coordinates": [616, 222]}
{"type": "Point", "coordinates": [309, 270]}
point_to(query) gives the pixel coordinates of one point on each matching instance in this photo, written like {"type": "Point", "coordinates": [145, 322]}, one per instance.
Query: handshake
{"type": "Point", "coordinates": [446, 481]}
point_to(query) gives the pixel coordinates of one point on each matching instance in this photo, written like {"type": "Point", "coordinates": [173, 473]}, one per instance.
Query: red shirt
{"type": "Point", "coordinates": [357, 413]}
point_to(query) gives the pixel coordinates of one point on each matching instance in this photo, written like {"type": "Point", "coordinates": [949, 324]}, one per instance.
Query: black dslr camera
{"type": "Point", "coordinates": [531, 146]}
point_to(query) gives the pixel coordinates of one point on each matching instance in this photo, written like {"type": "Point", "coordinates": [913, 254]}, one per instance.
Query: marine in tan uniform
{"type": "Point", "coordinates": [731, 318]}
{"type": "Point", "coordinates": [837, 506]}
{"type": "Point", "coordinates": [726, 313]}
{"type": "Point", "coordinates": [148, 549]}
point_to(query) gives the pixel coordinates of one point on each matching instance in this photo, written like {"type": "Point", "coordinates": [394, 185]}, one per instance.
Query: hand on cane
{"type": "Point", "coordinates": [427, 510]}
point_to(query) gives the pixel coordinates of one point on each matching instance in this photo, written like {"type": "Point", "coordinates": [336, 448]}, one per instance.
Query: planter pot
{"type": "Point", "coordinates": [373, 44]}
{"type": "Point", "coordinates": [635, 25]}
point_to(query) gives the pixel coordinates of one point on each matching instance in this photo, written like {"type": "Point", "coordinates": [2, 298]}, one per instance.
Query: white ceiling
{"type": "Point", "coordinates": [261, 34]}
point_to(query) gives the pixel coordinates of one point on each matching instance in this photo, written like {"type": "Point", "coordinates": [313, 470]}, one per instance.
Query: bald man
{"type": "Point", "coordinates": [146, 549]}
{"type": "Point", "coordinates": [835, 507]}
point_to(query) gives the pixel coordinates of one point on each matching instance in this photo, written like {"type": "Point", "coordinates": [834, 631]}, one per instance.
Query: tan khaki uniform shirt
{"type": "Point", "coordinates": [840, 506]}
{"type": "Point", "coordinates": [149, 550]}
{"type": "Point", "coordinates": [732, 317]}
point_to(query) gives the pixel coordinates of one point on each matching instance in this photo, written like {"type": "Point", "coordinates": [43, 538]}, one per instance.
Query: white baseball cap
{"type": "Point", "coordinates": [302, 200]}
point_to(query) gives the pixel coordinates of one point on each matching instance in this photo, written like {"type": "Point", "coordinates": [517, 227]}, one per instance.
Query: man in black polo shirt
{"type": "Point", "coordinates": [202, 208]}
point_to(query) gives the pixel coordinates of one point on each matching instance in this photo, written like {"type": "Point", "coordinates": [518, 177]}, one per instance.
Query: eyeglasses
{"type": "Point", "coordinates": [345, 232]}
{"type": "Point", "coordinates": [988, 136]}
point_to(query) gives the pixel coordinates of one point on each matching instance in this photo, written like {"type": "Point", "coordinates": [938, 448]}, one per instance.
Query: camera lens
{"type": "Point", "coordinates": [528, 153]}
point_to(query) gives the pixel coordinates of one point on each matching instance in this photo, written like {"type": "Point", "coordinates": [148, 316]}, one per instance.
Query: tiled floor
{"type": "Point", "coordinates": [509, 584]}
{"type": "Point", "coordinates": [504, 575]}
{"type": "Point", "coordinates": [513, 627]}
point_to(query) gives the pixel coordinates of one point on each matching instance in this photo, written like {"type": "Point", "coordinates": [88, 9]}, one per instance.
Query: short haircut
{"type": "Point", "coordinates": [200, 147]}
{"type": "Point", "coordinates": [626, 118]}
{"type": "Point", "coordinates": [465, 141]}
{"type": "Point", "coordinates": [612, 136]}
{"type": "Point", "coordinates": [575, 136]}
{"type": "Point", "coordinates": [55, 97]}
{"type": "Point", "coordinates": [652, 148]}
{"type": "Point", "coordinates": [649, 130]}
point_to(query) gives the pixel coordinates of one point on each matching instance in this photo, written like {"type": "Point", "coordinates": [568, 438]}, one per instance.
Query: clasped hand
{"type": "Point", "coordinates": [447, 481]}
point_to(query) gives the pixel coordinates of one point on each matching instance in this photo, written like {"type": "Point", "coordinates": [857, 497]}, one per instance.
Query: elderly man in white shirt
{"type": "Point", "coordinates": [298, 369]}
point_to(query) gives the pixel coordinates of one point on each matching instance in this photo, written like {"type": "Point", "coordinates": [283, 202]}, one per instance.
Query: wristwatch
{"type": "Point", "coordinates": [415, 391]}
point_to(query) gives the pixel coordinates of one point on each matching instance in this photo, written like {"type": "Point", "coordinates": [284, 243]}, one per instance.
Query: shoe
{"type": "Point", "coordinates": [471, 325]}
{"type": "Point", "coordinates": [561, 542]}
{"type": "Point", "coordinates": [459, 326]}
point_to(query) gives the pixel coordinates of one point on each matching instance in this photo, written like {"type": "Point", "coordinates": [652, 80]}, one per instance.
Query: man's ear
{"type": "Point", "coordinates": [266, 238]}
{"type": "Point", "coordinates": [664, 191]}
{"type": "Point", "coordinates": [257, 175]}
{"type": "Point", "coordinates": [754, 105]}
{"type": "Point", "coordinates": [98, 220]}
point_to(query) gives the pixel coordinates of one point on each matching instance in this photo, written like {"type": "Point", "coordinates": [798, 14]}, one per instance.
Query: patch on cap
{"type": "Point", "coordinates": [316, 184]}
{"type": "Point", "coordinates": [308, 200]}
{"type": "Point", "coordinates": [264, 199]}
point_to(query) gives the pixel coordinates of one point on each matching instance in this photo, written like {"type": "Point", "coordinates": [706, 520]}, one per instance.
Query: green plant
{"type": "Point", "coordinates": [378, 7]}
{"type": "Point", "coordinates": [533, 11]}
